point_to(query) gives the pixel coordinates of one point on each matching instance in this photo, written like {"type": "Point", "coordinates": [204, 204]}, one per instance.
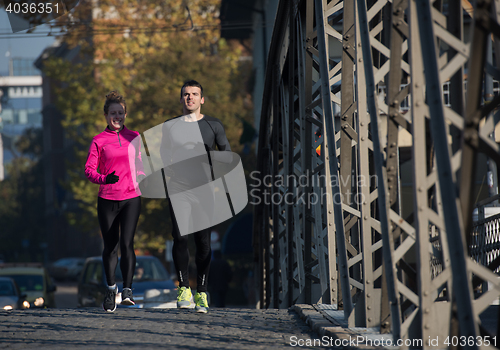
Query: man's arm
{"type": "Point", "coordinates": [225, 156]}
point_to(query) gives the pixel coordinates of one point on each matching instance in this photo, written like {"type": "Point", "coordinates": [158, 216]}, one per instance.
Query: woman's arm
{"type": "Point", "coordinates": [92, 164]}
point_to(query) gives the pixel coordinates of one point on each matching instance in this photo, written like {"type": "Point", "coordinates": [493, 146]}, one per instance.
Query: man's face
{"type": "Point", "coordinates": [191, 99]}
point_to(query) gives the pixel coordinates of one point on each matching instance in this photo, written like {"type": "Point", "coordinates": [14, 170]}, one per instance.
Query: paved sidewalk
{"type": "Point", "coordinates": [331, 328]}
{"type": "Point", "coordinates": [92, 328]}
{"type": "Point", "coordinates": [326, 321]}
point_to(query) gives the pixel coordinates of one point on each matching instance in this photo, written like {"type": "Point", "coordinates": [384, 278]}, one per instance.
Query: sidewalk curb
{"type": "Point", "coordinates": [324, 327]}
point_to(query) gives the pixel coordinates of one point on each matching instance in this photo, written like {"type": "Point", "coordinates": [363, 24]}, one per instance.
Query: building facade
{"type": "Point", "coordinates": [21, 107]}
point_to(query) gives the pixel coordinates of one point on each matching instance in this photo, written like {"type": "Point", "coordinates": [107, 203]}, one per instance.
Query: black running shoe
{"type": "Point", "coordinates": [127, 298]}
{"type": "Point", "coordinates": [109, 303]}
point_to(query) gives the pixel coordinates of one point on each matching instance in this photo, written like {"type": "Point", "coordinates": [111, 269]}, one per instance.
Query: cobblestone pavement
{"type": "Point", "coordinates": [92, 328]}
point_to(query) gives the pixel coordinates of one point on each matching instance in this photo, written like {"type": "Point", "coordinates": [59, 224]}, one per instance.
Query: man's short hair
{"type": "Point", "coordinates": [192, 83]}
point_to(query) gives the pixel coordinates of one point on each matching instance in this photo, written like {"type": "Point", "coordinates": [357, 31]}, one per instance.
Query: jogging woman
{"type": "Point", "coordinates": [117, 157]}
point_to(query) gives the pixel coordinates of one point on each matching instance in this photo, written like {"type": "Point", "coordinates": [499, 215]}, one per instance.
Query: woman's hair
{"type": "Point", "coordinates": [114, 97]}
{"type": "Point", "coordinates": [192, 83]}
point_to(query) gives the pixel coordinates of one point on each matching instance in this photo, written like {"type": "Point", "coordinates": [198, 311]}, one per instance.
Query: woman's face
{"type": "Point", "coordinates": [116, 116]}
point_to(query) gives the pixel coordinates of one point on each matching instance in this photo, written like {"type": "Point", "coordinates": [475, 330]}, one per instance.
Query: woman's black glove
{"type": "Point", "coordinates": [112, 178]}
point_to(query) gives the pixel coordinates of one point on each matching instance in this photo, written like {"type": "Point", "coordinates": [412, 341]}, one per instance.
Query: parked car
{"type": "Point", "coordinates": [152, 286]}
{"type": "Point", "coordinates": [66, 269]}
{"type": "Point", "coordinates": [33, 280]}
{"type": "Point", "coordinates": [10, 295]}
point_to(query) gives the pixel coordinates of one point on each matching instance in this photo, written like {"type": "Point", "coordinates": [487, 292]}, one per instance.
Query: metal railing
{"type": "Point", "coordinates": [484, 242]}
{"type": "Point", "coordinates": [382, 268]}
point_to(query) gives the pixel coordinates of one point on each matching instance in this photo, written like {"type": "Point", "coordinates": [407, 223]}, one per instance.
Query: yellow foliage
{"type": "Point", "coordinates": [145, 50]}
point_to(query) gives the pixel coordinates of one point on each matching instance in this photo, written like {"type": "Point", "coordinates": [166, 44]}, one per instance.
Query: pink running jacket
{"type": "Point", "coordinates": [114, 151]}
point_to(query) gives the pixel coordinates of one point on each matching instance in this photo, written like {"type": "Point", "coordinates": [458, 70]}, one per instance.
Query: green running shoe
{"type": "Point", "coordinates": [184, 297]}
{"type": "Point", "coordinates": [200, 299]}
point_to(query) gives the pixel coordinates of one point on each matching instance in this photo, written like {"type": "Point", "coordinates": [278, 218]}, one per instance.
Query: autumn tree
{"type": "Point", "coordinates": [145, 50]}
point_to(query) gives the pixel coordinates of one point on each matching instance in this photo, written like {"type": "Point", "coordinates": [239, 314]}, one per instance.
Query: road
{"type": "Point", "coordinates": [92, 328]}
{"type": "Point", "coordinates": [69, 327]}
{"type": "Point", "coordinates": [66, 295]}
{"type": "Point", "coordinates": [222, 328]}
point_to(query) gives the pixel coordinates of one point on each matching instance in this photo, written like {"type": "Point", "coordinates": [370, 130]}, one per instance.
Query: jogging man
{"type": "Point", "coordinates": [195, 173]}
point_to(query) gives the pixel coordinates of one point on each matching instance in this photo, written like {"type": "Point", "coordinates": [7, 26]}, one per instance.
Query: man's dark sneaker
{"type": "Point", "coordinates": [127, 298]}
{"type": "Point", "coordinates": [109, 303]}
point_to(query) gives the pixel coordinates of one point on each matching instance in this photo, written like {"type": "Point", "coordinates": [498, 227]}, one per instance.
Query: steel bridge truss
{"type": "Point", "coordinates": [330, 228]}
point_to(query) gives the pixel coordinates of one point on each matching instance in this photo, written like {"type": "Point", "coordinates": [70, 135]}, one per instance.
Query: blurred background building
{"type": "Point", "coordinates": [251, 23]}
{"type": "Point", "coordinates": [21, 106]}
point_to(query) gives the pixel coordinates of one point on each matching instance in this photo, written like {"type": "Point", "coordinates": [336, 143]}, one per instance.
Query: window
{"type": "Point", "coordinates": [97, 273]}
{"type": "Point", "coordinates": [446, 94]}
{"type": "Point", "coordinates": [146, 269]}
{"type": "Point", "coordinates": [6, 288]}
{"type": "Point", "coordinates": [405, 104]}
{"type": "Point", "coordinates": [29, 282]}
{"type": "Point", "coordinates": [496, 88]}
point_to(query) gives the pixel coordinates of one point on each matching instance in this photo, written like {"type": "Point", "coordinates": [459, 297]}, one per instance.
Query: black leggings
{"type": "Point", "coordinates": [114, 215]}
{"type": "Point", "coordinates": [180, 254]}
